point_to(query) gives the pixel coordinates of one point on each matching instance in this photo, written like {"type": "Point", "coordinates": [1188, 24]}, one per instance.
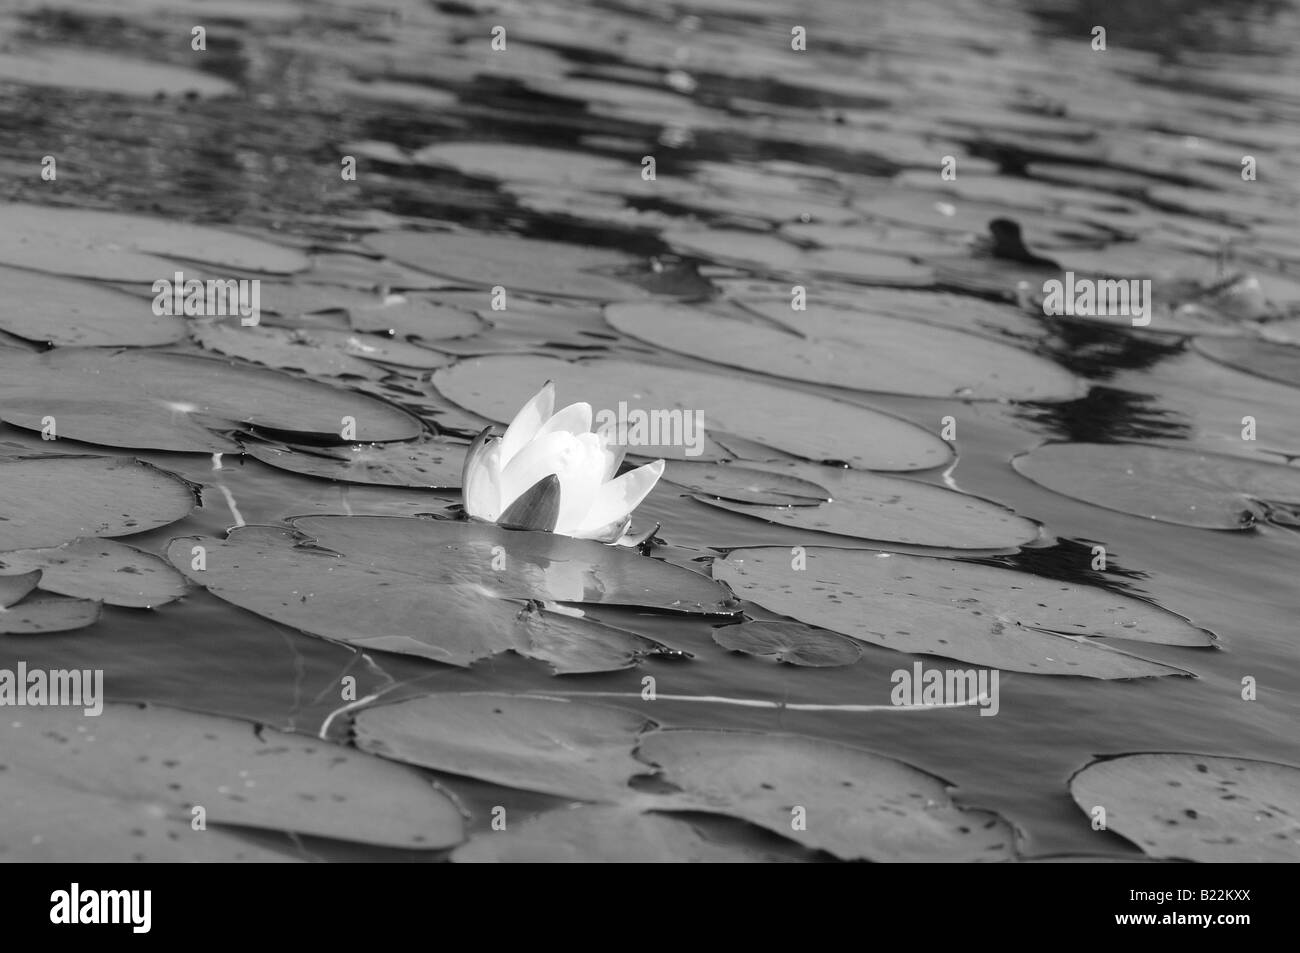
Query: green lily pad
{"type": "Point", "coordinates": [856, 804]}
{"type": "Point", "coordinates": [601, 834]}
{"type": "Point", "coordinates": [1266, 359]}
{"type": "Point", "coordinates": [49, 500]}
{"type": "Point", "coordinates": [532, 742]}
{"type": "Point", "coordinates": [1197, 807]}
{"type": "Point", "coordinates": [978, 614]}
{"type": "Point", "coordinates": [430, 462]}
{"type": "Point", "coordinates": [122, 787]}
{"type": "Point", "coordinates": [114, 246]}
{"type": "Point", "coordinates": [883, 508]}
{"type": "Point", "coordinates": [1205, 490]}
{"type": "Point", "coordinates": [102, 570]}
{"type": "Point", "coordinates": [49, 310]}
{"type": "Point", "coordinates": [789, 642]}
{"type": "Point", "coordinates": [43, 612]}
{"type": "Point", "coordinates": [283, 349]}
{"type": "Point", "coordinates": [161, 401]}
{"type": "Point", "coordinates": [770, 255]}
{"type": "Point", "coordinates": [745, 484]}
{"type": "Point", "coordinates": [852, 348]}
{"type": "Point", "coordinates": [517, 264]}
{"type": "Point", "coordinates": [805, 425]}
{"type": "Point", "coordinates": [77, 68]}
{"type": "Point", "coordinates": [449, 591]}
{"type": "Point", "coordinates": [15, 583]}
{"type": "Point", "coordinates": [416, 316]}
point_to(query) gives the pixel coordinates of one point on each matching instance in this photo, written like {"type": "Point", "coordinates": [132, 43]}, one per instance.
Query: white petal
{"type": "Point", "coordinates": [575, 419]}
{"type": "Point", "coordinates": [617, 499]}
{"type": "Point", "coordinates": [527, 422]}
{"type": "Point", "coordinates": [581, 477]}
{"type": "Point", "coordinates": [482, 483]}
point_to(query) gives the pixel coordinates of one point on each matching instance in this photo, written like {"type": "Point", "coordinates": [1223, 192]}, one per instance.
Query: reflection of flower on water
{"type": "Point", "coordinates": [550, 472]}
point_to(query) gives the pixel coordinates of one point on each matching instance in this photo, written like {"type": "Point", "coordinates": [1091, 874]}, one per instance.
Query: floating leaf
{"type": "Point", "coordinates": [122, 786]}
{"type": "Point", "coordinates": [601, 834]}
{"type": "Point", "coordinates": [858, 805]}
{"type": "Point", "coordinates": [56, 311]}
{"type": "Point", "coordinates": [450, 591]}
{"type": "Point", "coordinates": [1205, 490]}
{"type": "Point", "coordinates": [875, 507]}
{"type": "Point", "coordinates": [789, 642]}
{"type": "Point", "coordinates": [517, 264]}
{"type": "Point", "coordinates": [416, 316]}
{"type": "Point", "coordinates": [983, 615]}
{"type": "Point", "coordinates": [429, 462]}
{"type": "Point", "coordinates": [1197, 807]}
{"type": "Point", "coordinates": [1274, 362]}
{"type": "Point", "coordinates": [42, 612]}
{"type": "Point", "coordinates": [152, 400]}
{"type": "Point", "coordinates": [77, 68]}
{"type": "Point", "coordinates": [102, 570]}
{"type": "Point", "coordinates": [49, 500]}
{"type": "Point", "coordinates": [15, 583]}
{"type": "Point", "coordinates": [767, 254]}
{"type": "Point", "coordinates": [745, 484]}
{"type": "Point", "coordinates": [801, 424]}
{"type": "Point", "coordinates": [282, 348]}
{"type": "Point", "coordinates": [532, 742]}
{"type": "Point", "coordinates": [114, 246]}
{"type": "Point", "coordinates": [852, 348]}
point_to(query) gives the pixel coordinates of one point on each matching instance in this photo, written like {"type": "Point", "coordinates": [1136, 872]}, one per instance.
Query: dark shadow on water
{"type": "Point", "coordinates": [1106, 415]}
{"type": "Point", "coordinates": [1070, 560]}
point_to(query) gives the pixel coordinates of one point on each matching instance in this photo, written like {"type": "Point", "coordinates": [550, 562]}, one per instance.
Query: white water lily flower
{"type": "Point", "coordinates": [550, 472]}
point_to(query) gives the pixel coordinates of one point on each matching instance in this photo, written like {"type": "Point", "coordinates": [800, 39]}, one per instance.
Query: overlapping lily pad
{"type": "Point", "coordinates": [767, 254]}
{"type": "Point", "coordinates": [1205, 490]}
{"type": "Point", "coordinates": [890, 509]}
{"type": "Point", "coordinates": [100, 569]}
{"type": "Point", "coordinates": [517, 264]}
{"type": "Point", "coordinates": [857, 805]}
{"type": "Point", "coordinates": [115, 246]}
{"type": "Point", "coordinates": [450, 591]}
{"type": "Point", "coordinates": [79, 68]}
{"type": "Point", "coordinates": [744, 484]}
{"type": "Point", "coordinates": [122, 787]}
{"type": "Point", "coordinates": [852, 348]}
{"type": "Point", "coordinates": [42, 612]}
{"type": "Point", "coordinates": [284, 349]}
{"type": "Point", "coordinates": [801, 424]}
{"type": "Point", "coordinates": [416, 316]}
{"type": "Point", "coordinates": [49, 310]}
{"type": "Point", "coordinates": [430, 462]}
{"type": "Point", "coordinates": [1197, 807]}
{"type": "Point", "coordinates": [1266, 359]}
{"type": "Point", "coordinates": [50, 500]}
{"type": "Point", "coordinates": [152, 400]}
{"type": "Point", "coordinates": [790, 642]}
{"type": "Point", "coordinates": [978, 614]}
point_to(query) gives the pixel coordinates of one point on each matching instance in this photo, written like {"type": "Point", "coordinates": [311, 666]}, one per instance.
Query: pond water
{"type": "Point", "coordinates": [773, 167]}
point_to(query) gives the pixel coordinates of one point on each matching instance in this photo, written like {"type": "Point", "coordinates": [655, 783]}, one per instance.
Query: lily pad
{"type": "Point", "coordinates": [102, 570]}
{"type": "Point", "coordinates": [745, 484]}
{"type": "Point", "coordinates": [115, 246]}
{"type": "Point", "coordinates": [433, 589]}
{"type": "Point", "coordinates": [532, 742]}
{"type": "Point", "coordinates": [122, 786]}
{"type": "Point", "coordinates": [1197, 807]}
{"type": "Point", "coordinates": [1271, 361]}
{"type": "Point", "coordinates": [517, 264]}
{"type": "Point", "coordinates": [789, 642]}
{"type": "Point", "coordinates": [852, 348]}
{"type": "Point", "coordinates": [1205, 490]}
{"type": "Point", "coordinates": [857, 805]}
{"type": "Point", "coordinates": [161, 401]}
{"type": "Point", "coordinates": [15, 583]}
{"type": "Point", "coordinates": [43, 612]}
{"type": "Point", "coordinates": [883, 508]}
{"type": "Point", "coordinates": [416, 316]}
{"type": "Point", "coordinates": [430, 462]}
{"type": "Point", "coordinates": [978, 614]}
{"type": "Point", "coordinates": [77, 68]}
{"type": "Point", "coordinates": [601, 834]}
{"type": "Point", "coordinates": [770, 255]}
{"type": "Point", "coordinates": [802, 424]}
{"type": "Point", "coordinates": [49, 500]}
{"type": "Point", "coordinates": [40, 307]}
{"type": "Point", "coordinates": [282, 348]}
